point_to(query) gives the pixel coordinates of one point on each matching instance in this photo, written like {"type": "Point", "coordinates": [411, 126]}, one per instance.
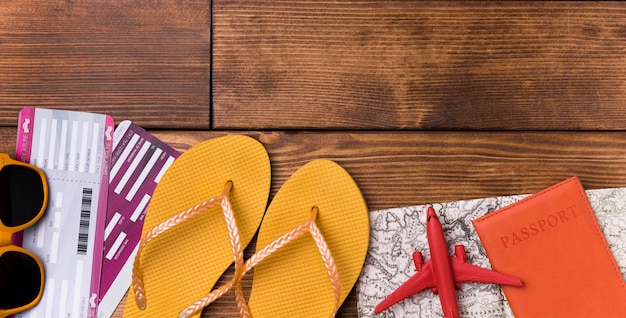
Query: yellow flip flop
{"type": "Point", "coordinates": [294, 281]}
{"type": "Point", "coordinates": [187, 241]}
{"type": "Point", "coordinates": [310, 249]}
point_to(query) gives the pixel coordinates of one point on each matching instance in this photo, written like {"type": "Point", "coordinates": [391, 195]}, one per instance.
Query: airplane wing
{"type": "Point", "coordinates": [465, 272]}
{"type": "Point", "coordinates": [421, 280]}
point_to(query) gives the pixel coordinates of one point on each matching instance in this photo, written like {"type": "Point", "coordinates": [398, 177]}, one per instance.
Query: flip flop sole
{"type": "Point", "coordinates": [294, 282]}
{"type": "Point", "coordinates": [183, 264]}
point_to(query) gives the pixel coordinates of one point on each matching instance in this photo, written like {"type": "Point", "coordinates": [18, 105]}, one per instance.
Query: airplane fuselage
{"type": "Point", "coordinates": [442, 268]}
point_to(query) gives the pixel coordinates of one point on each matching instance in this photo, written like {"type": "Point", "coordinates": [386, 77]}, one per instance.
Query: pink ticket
{"type": "Point", "coordinates": [138, 161]}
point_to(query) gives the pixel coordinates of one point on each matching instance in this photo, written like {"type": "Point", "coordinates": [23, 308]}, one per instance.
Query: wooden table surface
{"type": "Point", "coordinates": [420, 101]}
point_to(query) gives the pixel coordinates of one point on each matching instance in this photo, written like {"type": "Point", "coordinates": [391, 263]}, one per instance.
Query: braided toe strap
{"type": "Point", "coordinates": [233, 232]}
{"type": "Point", "coordinates": [307, 227]}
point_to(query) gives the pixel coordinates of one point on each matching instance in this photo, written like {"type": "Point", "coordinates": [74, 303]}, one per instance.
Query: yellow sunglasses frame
{"type": "Point", "coordinates": [6, 232]}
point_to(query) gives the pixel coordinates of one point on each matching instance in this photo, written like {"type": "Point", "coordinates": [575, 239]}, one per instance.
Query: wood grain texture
{"type": "Point", "coordinates": [387, 65]}
{"type": "Point", "coordinates": [408, 168]}
{"type": "Point", "coordinates": [144, 59]}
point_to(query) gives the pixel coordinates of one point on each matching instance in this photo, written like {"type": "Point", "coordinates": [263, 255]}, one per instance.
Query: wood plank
{"type": "Point", "coordinates": [312, 64]}
{"type": "Point", "coordinates": [141, 59]}
{"type": "Point", "coordinates": [408, 168]}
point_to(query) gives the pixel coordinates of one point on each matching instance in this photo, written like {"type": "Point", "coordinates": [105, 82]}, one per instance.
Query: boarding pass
{"type": "Point", "coordinates": [138, 162]}
{"type": "Point", "coordinates": [73, 150]}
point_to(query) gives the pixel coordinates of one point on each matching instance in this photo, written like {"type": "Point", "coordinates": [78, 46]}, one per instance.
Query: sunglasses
{"type": "Point", "coordinates": [23, 200]}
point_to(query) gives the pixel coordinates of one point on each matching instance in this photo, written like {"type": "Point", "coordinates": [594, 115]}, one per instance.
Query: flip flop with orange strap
{"type": "Point", "coordinates": [310, 248]}
{"type": "Point", "coordinates": [204, 211]}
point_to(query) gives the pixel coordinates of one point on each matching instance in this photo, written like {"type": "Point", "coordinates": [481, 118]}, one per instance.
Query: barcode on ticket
{"type": "Point", "coordinates": [85, 214]}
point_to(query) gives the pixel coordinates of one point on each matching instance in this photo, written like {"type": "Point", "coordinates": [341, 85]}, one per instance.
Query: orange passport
{"type": "Point", "coordinates": [553, 243]}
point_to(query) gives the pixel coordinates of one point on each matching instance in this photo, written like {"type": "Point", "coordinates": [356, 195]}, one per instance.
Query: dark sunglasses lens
{"type": "Point", "coordinates": [20, 280]}
{"type": "Point", "coordinates": [21, 195]}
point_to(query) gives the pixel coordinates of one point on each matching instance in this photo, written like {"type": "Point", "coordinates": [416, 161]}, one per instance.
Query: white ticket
{"type": "Point", "coordinates": [73, 149]}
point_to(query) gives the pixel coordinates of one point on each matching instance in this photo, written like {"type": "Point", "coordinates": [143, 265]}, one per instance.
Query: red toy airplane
{"type": "Point", "coordinates": [442, 272]}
